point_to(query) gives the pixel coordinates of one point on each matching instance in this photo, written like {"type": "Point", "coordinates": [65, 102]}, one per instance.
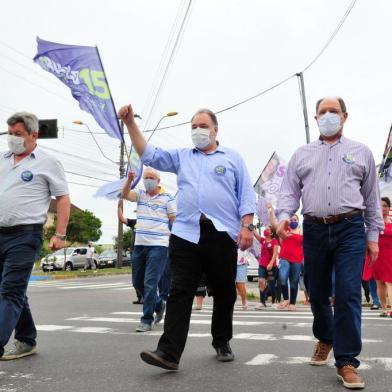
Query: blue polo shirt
{"type": "Point", "coordinates": [216, 184]}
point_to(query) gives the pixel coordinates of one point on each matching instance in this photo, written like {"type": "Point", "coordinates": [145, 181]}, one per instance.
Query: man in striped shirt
{"type": "Point", "coordinates": [336, 179]}
{"type": "Point", "coordinates": [155, 212]}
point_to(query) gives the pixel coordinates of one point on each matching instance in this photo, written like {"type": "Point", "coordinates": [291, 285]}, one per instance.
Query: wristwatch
{"type": "Point", "coordinates": [249, 226]}
{"type": "Point", "coordinates": [61, 237]}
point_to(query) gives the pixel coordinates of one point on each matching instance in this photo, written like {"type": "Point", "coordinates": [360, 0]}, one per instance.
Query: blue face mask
{"type": "Point", "coordinates": [150, 184]}
{"type": "Point", "coordinates": [293, 225]}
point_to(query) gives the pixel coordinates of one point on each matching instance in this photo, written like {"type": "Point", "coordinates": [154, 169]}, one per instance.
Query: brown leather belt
{"type": "Point", "coordinates": [19, 228]}
{"type": "Point", "coordinates": [331, 219]}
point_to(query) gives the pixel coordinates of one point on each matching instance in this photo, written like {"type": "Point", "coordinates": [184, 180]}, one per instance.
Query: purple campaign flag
{"type": "Point", "coordinates": [112, 190]}
{"type": "Point", "coordinates": [80, 68]}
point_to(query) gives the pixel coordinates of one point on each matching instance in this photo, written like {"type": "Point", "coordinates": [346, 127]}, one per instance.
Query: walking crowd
{"type": "Point", "coordinates": [201, 241]}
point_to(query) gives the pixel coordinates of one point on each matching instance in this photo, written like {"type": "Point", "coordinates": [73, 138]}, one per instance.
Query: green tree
{"type": "Point", "coordinates": [83, 226]}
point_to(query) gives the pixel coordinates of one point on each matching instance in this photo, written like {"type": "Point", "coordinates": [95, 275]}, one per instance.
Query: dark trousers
{"type": "Point", "coordinates": [339, 247]}
{"type": "Point", "coordinates": [216, 256]}
{"type": "Point", "coordinates": [18, 252]}
{"type": "Point", "coordinates": [165, 282]}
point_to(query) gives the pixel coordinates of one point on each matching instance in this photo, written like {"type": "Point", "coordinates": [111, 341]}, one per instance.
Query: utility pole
{"type": "Point", "coordinates": [120, 225]}
{"type": "Point", "coordinates": [304, 108]}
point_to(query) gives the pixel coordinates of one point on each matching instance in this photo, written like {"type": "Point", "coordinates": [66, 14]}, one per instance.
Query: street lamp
{"type": "Point", "coordinates": [78, 122]}
{"type": "Point", "coordinates": [169, 114]}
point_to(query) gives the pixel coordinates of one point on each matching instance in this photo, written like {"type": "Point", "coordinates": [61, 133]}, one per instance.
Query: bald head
{"type": "Point", "coordinates": [151, 173]}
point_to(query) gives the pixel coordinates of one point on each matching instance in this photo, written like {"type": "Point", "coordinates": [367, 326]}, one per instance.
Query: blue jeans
{"type": "Point", "coordinates": [165, 282]}
{"type": "Point", "coordinates": [148, 264]}
{"type": "Point", "coordinates": [289, 271]}
{"type": "Point", "coordinates": [340, 246]}
{"type": "Point", "coordinates": [18, 252]}
{"type": "Point", "coordinates": [373, 292]}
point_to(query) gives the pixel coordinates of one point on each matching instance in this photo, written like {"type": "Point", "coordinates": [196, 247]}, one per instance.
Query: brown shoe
{"type": "Point", "coordinates": [348, 374]}
{"type": "Point", "coordinates": [322, 353]}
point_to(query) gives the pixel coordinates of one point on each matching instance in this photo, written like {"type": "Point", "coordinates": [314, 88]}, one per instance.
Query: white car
{"type": "Point", "coordinates": [66, 259]}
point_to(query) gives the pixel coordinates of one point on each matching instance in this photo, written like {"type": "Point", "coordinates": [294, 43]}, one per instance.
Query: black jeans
{"type": "Point", "coordinates": [216, 256]}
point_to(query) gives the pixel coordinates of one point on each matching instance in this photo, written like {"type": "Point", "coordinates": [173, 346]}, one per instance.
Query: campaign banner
{"type": "Point", "coordinates": [80, 68]}
{"type": "Point", "coordinates": [270, 181]}
{"type": "Point", "coordinates": [262, 210]}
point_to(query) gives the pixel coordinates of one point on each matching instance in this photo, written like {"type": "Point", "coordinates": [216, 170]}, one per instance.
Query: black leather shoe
{"type": "Point", "coordinates": [224, 353]}
{"type": "Point", "coordinates": [158, 358]}
{"type": "Point", "coordinates": [138, 302]}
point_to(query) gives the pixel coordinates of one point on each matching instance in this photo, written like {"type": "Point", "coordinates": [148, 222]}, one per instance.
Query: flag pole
{"type": "Point", "coordinates": [120, 238]}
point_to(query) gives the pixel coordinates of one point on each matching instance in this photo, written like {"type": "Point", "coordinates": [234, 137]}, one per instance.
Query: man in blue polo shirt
{"type": "Point", "coordinates": [215, 207]}
{"type": "Point", "coordinates": [28, 177]}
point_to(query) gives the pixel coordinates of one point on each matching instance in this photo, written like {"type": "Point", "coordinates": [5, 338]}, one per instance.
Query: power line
{"type": "Point", "coordinates": [29, 68]}
{"type": "Point", "coordinates": [162, 61]}
{"type": "Point", "coordinates": [92, 161]}
{"type": "Point", "coordinates": [85, 175]}
{"type": "Point", "coordinates": [335, 32]}
{"type": "Point", "coordinates": [79, 183]}
{"type": "Point", "coordinates": [15, 50]}
{"type": "Point", "coordinates": [35, 84]}
{"type": "Point", "coordinates": [169, 62]}
{"type": "Point", "coordinates": [329, 41]}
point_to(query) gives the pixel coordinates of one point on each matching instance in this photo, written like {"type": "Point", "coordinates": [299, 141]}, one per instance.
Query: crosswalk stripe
{"type": "Point", "coordinates": [272, 359]}
{"type": "Point", "coordinates": [90, 286]}
{"type": "Point", "coordinates": [65, 286]}
{"type": "Point", "coordinates": [238, 336]}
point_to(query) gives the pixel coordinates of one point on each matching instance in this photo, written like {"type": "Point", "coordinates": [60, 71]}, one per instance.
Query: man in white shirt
{"type": "Point", "coordinates": [90, 259]}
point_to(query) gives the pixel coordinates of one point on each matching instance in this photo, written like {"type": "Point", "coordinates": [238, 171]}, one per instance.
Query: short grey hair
{"type": "Point", "coordinates": [210, 113]}
{"type": "Point", "coordinates": [29, 120]}
{"type": "Point", "coordinates": [150, 169]}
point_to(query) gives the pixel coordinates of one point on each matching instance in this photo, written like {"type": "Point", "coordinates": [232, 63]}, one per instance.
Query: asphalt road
{"type": "Point", "coordinates": [87, 343]}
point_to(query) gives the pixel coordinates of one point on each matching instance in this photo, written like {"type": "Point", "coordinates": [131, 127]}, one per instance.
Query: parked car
{"type": "Point", "coordinates": [108, 259]}
{"type": "Point", "coordinates": [67, 259]}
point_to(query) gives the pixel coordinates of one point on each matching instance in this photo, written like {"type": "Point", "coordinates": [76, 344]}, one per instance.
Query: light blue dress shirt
{"type": "Point", "coordinates": [216, 184]}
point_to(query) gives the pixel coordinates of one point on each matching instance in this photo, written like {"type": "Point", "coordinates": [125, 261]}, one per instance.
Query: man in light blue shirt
{"type": "Point", "coordinates": [215, 207]}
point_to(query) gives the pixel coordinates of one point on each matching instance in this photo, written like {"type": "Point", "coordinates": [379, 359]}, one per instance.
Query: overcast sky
{"type": "Point", "coordinates": [230, 50]}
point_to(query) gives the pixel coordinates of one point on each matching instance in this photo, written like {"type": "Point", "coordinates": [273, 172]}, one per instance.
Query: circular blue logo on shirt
{"type": "Point", "coordinates": [220, 170]}
{"type": "Point", "coordinates": [27, 176]}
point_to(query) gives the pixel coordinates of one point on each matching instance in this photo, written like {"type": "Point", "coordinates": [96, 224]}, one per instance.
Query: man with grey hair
{"type": "Point", "coordinates": [216, 203]}
{"type": "Point", "coordinates": [155, 211]}
{"type": "Point", "coordinates": [29, 177]}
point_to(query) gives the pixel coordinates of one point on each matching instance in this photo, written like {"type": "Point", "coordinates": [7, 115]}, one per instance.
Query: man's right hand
{"type": "Point", "coordinates": [131, 175]}
{"type": "Point", "coordinates": [126, 115]}
{"type": "Point", "coordinates": [283, 229]}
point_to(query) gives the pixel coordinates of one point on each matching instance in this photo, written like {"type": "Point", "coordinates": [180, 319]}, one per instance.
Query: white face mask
{"type": "Point", "coordinates": [201, 137]}
{"type": "Point", "coordinates": [329, 124]}
{"type": "Point", "coordinates": [16, 144]}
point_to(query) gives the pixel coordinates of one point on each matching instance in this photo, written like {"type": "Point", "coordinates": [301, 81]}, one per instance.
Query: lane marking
{"type": "Point", "coordinates": [262, 359]}
{"type": "Point", "coordinates": [50, 328]}
{"type": "Point", "coordinates": [92, 330]}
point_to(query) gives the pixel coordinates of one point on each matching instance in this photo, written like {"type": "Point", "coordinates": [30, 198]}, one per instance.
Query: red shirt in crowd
{"type": "Point", "coordinates": [267, 250]}
{"type": "Point", "coordinates": [291, 249]}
